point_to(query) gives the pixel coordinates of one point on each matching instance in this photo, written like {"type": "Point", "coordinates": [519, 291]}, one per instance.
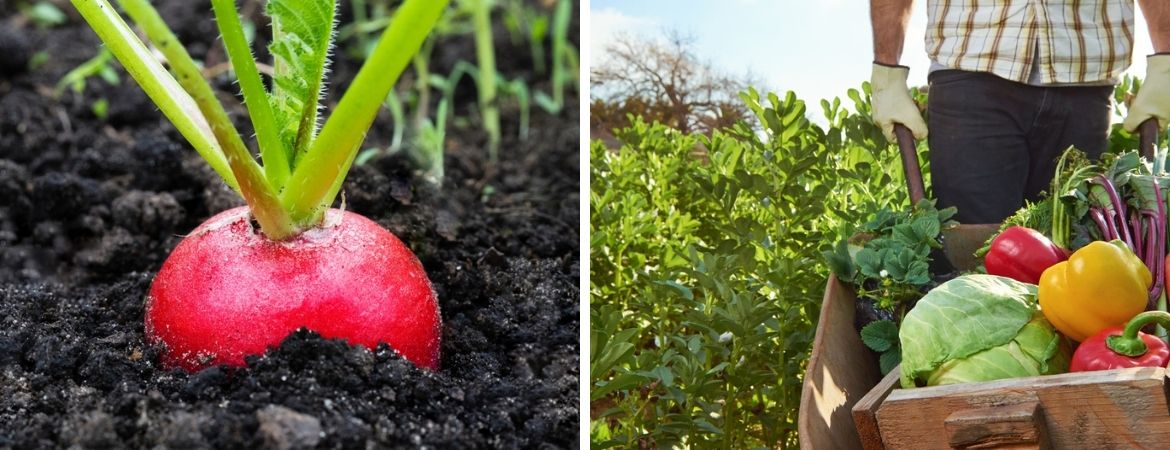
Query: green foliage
{"type": "Point", "coordinates": [486, 84]}
{"type": "Point", "coordinates": [882, 337]}
{"type": "Point", "coordinates": [100, 108]}
{"type": "Point", "coordinates": [705, 268]}
{"type": "Point", "coordinates": [1037, 216]}
{"type": "Point", "coordinates": [302, 33]}
{"type": "Point", "coordinates": [38, 60]}
{"type": "Point", "coordinates": [44, 14]}
{"type": "Point", "coordinates": [285, 196]}
{"type": "Point", "coordinates": [543, 26]}
{"type": "Point", "coordinates": [1120, 140]}
{"type": "Point", "coordinates": [889, 258]}
{"type": "Point", "coordinates": [101, 66]}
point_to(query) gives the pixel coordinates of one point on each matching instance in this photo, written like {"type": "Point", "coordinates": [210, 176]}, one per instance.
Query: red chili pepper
{"type": "Point", "coordinates": [1022, 254]}
{"type": "Point", "coordinates": [1114, 348]}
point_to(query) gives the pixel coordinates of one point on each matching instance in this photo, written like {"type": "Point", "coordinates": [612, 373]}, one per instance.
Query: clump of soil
{"type": "Point", "coordinates": [89, 209]}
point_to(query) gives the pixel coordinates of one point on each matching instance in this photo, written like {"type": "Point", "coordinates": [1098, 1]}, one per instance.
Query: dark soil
{"type": "Point", "coordinates": [89, 209]}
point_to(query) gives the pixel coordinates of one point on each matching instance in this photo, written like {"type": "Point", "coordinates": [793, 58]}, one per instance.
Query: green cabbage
{"type": "Point", "coordinates": [979, 328]}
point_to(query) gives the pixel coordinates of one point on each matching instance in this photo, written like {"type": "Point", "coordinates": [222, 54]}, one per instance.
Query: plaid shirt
{"type": "Point", "coordinates": [1033, 41]}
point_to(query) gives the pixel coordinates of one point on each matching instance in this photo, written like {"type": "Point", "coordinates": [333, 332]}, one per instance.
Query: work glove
{"type": "Point", "coordinates": [1153, 99]}
{"type": "Point", "coordinates": [892, 103]}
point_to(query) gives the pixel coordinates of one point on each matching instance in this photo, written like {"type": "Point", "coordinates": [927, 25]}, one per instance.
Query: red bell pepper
{"type": "Point", "coordinates": [1022, 254]}
{"type": "Point", "coordinates": [1114, 348]}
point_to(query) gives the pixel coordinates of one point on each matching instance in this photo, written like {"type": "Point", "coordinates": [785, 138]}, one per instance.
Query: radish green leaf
{"type": "Point", "coordinates": [301, 34]}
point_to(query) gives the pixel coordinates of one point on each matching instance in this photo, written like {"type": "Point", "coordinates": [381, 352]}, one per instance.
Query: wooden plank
{"type": "Point", "coordinates": [865, 411]}
{"type": "Point", "coordinates": [1124, 408]}
{"type": "Point", "coordinates": [1019, 426]}
{"type": "Point", "coordinates": [840, 371]}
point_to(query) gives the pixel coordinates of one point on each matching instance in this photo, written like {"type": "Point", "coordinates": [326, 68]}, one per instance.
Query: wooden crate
{"type": "Point", "coordinates": [847, 404]}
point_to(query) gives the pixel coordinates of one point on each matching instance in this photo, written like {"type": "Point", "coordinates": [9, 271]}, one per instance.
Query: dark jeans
{"type": "Point", "coordinates": [995, 142]}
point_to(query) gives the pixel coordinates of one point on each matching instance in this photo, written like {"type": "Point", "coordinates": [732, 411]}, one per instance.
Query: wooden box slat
{"type": "Point", "coordinates": [865, 411]}
{"type": "Point", "coordinates": [1124, 408]}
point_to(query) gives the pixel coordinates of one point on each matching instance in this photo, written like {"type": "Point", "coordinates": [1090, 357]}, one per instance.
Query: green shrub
{"type": "Point", "coordinates": [706, 269]}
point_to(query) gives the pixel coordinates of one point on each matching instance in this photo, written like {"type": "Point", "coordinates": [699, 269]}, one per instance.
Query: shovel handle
{"type": "Point", "coordinates": [1147, 136]}
{"type": "Point", "coordinates": [910, 166]}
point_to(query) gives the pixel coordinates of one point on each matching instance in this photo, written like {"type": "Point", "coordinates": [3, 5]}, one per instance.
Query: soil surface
{"type": "Point", "coordinates": [90, 208]}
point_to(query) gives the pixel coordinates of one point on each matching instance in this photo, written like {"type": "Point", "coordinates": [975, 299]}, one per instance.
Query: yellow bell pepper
{"type": "Point", "coordinates": [1101, 285]}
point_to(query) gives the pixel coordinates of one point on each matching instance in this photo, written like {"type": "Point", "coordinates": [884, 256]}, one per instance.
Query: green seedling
{"type": "Point", "coordinates": [44, 14]}
{"type": "Point", "coordinates": [525, 24]}
{"type": "Point", "coordinates": [485, 55]}
{"type": "Point", "coordinates": [425, 148]}
{"type": "Point", "coordinates": [38, 60]}
{"type": "Point", "coordinates": [429, 143]}
{"type": "Point", "coordinates": [515, 88]}
{"type": "Point", "coordinates": [101, 66]}
{"type": "Point", "coordinates": [368, 20]}
{"type": "Point", "coordinates": [564, 63]}
{"type": "Point", "coordinates": [100, 108]}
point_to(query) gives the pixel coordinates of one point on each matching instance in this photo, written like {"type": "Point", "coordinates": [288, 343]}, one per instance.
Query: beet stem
{"type": "Point", "coordinates": [1099, 217]}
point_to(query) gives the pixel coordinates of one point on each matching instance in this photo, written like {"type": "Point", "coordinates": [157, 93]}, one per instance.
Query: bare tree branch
{"type": "Point", "coordinates": [662, 80]}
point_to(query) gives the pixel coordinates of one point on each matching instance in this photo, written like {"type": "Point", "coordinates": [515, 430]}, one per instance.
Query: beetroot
{"type": "Point", "coordinates": [228, 291]}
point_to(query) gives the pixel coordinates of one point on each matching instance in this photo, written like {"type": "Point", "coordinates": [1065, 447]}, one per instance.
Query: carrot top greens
{"type": "Point", "coordinates": [303, 163]}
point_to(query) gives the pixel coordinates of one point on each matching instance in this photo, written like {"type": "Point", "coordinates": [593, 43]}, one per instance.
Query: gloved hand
{"type": "Point", "coordinates": [892, 103]}
{"type": "Point", "coordinates": [1153, 99]}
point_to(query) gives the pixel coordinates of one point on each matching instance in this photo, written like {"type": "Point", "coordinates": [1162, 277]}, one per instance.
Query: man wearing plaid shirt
{"type": "Point", "coordinates": [1012, 84]}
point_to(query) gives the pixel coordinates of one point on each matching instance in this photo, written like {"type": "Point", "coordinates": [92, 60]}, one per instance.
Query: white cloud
{"type": "Point", "coordinates": [607, 23]}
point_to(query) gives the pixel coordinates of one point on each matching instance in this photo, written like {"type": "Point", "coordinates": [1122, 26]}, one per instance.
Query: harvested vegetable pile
{"type": "Point", "coordinates": [1092, 262]}
{"type": "Point", "coordinates": [89, 209]}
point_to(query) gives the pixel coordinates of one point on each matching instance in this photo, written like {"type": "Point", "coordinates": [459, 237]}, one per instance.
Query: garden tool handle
{"type": "Point", "coordinates": [910, 167]}
{"type": "Point", "coordinates": [1148, 138]}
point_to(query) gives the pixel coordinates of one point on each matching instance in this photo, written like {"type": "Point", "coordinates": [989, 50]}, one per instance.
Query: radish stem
{"type": "Point", "coordinates": [276, 166]}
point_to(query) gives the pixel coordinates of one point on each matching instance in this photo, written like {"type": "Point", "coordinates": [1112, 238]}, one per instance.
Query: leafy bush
{"type": "Point", "coordinates": [706, 268]}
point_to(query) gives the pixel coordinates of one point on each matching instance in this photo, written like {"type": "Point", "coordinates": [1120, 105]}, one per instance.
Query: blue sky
{"type": "Point", "coordinates": [819, 49]}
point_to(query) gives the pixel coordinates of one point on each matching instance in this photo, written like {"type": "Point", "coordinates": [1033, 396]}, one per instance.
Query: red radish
{"type": "Point", "coordinates": [232, 289]}
{"type": "Point", "coordinates": [228, 291]}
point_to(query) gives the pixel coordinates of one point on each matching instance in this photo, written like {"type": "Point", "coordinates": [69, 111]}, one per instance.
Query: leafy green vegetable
{"type": "Point", "coordinates": [979, 328]}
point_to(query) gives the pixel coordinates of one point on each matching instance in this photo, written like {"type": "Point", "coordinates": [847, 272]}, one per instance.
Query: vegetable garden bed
{"type": "Point", "coordinates": [90, 208]}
